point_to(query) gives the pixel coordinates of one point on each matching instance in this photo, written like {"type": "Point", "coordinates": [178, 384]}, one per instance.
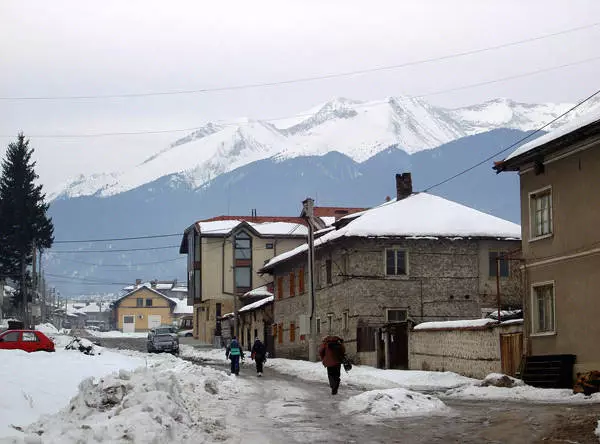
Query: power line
{"type": "Point", "coordinates": [275, 119]}
{"type": "Point", "coordinates": [312, 78]}
{"type": "Point", "coordinates": [487, 159]}
{"type": "Point", "coordinates": [114, 239]}
{"type": "Point", "coordinates": [123, 250]}
{"type": "Point", "coordinates": [123, 265]}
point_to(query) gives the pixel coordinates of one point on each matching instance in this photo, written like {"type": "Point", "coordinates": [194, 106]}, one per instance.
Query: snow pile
{"type": "Point", "coordinates": [524, 393]}
{"type": "Point", "coordinates": [32, 384]}
{"type": "Point", "coordinates": [171, 401]}
{"type": "Point", "coordinates": [392, 403]}
{"type": "Point", "coordinates": [598, 430]}
{"type": "Point", "coordinates": [47, 328]}
{"type": "Point", "coordinates": [501, 380]}
{"type": "Point", "coordinates": [116, 334]}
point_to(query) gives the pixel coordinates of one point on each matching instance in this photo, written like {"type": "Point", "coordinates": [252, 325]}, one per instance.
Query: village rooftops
{"type": "Point", "coordinates": [582, 127]}
{"type": "Point", "coordinates": [418, 216]}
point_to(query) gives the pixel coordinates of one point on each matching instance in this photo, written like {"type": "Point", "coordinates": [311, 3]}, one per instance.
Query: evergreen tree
{"type": "Point", "coordinates": [23, 212]}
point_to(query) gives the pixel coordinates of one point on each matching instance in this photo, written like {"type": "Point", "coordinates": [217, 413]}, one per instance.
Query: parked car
{"type": "Point", "coordinates": [163, 339]}
{"type": "Point", "coordinates": [28, 340]}
{"type": "Point", "coordinates": [185, 333]}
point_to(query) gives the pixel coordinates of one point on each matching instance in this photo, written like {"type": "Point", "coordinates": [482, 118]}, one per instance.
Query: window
{"type": "Point", "coordinates": [243, 247]}
{"type": "Point", "coordinates": [395, 315]}
{"type": "Point", "coordinates": [280, 287]}
{"type": "Point", "coordinates": [242, 277]}
{"type": "Point", "coordinates": [292, 332]}
{"type": "Point", "coordinates": [318, 325]}
{"type": "Point", "coordinates": [139, 302]}
{"type": "Point", "coordinates": [29, 336]}
{"type": "Point", "coordinates": [395, 262]}
{"type": "Point", "coordinates": [13, 336]}
{"type": "Point", "coordinates": [301, 281]}
{"type": "Point", "coordinates": [345, 321]}
{"type": "Point", "coordinates": [269, 246]}
{"type": "Point", "coordinates": [540, 213]}
{"type": "Point", "coordinates": [328, 271]}
{"type": "Point", "coordinates": [280, 334]}
{"type": "Point", "coordinates": [148, 302]}
{"type": "Point", "coordinates": [543, 308]}
{"type": "Point", "coordinates": [292, 284]}
{"type": "Point", "coordinates": [329, 322]}
{"type": "Point", "coordinates": [504, 269]}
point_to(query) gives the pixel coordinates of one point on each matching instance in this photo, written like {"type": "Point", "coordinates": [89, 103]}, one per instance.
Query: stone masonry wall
{"type": "Point", "coordinates": [470, 352]}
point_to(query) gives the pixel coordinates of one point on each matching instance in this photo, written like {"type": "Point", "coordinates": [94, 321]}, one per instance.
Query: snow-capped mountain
{"type": "Point", "coordinates": [358, 129]}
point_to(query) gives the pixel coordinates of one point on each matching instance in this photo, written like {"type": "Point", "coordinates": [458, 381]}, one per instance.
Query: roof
{"type": "Point", "coordinates": [260, 291]}
{"type": "Point", "coordinates": [182, 307]}
{"type": "Point", "coordinates": [421, 215]}
{"type": "Point", "coordinates": [335, 211]}
{"type": "Point", "coordinates": [552, 138]}
{"type": "Point", "coordinates": [118, 301]}
{"type": "Point", "coordinates": [258, 219]}
{"type": "Point", "coordinates": [256, 304]}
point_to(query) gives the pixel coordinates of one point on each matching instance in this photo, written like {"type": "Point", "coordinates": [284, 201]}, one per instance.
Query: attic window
{"type": "Point", "coordinates": [148, 302]}
{"type": "Point", "coordinates": [395, 262]}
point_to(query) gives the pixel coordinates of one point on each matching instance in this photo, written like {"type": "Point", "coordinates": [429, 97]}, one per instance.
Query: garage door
{"type": "Point", "coordinates": [128, 324]}
{"type": "Point", "coordinates": [154, 321]}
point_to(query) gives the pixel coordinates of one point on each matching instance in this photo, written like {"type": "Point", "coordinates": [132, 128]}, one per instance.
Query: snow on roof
{"type": "Point", "coordinates": [419, 215]}
{"type": "Point", "coordinates": [573, 125]}
{"type": "Point", "coordinates": [260, 291]}
{"type": "Point", "coordinates": [182, 307]}
{"type": "Point", "coordinates": [264, 228]}
{"type": "Point", "coordinates": [181, 289]}
{"type": "Point", "coordinates": [467, 323]}
{"type": "Point", "coordinates": [256, 304]}
{"type": "Point", "coordinates": [328, 220]}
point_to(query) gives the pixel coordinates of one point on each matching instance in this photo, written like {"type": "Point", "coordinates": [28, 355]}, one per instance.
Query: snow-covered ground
{"type": "Point", "coordinates": [444, 384]}
{"type": "Point", "coordinates": [116, 334]}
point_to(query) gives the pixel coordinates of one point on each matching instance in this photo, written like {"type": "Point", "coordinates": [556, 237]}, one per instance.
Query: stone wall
{"type": "Point", "coordinates": [473, 352]}
{"type": "Point", "coordinates": [443, 283]}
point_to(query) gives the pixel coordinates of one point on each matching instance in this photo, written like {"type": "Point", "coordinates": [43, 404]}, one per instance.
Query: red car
{"type": "Point", "coordinates": [28, 340]}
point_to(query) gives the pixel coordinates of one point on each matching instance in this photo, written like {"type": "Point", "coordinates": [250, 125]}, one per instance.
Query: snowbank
{"type": "Point", "coordinates": [47, 328]}
{"type": "Point", "coordinates": [32, 384]}
{"type": "Point", "coordinates": [116, 334]}
{"type": "Point", "coordinates": [467, 323]}
{"type": "Point", "coordinates": [392, 403]}
{"type": "Point", "coordinates": [170, 401]}
{"type": "Point", "coordinates": [598, 430]}
{"type": "Point", "coordinates": [361, 376]}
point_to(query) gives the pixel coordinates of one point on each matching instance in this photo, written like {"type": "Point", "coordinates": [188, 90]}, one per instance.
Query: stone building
{"type": "Point", "coordinates": [416, 258]}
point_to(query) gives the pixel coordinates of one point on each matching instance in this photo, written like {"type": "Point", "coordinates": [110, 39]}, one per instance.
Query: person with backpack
{"type": "Point", "coordinates": [234, 353]}
{"type": "Point", "coordinates": [259, 353]}
{"type": "Point", "coordinates": [332, 353]}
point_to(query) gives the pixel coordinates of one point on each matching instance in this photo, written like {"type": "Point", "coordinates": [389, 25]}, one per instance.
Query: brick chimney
{"type": "Point", "coordinates": [403, 185]}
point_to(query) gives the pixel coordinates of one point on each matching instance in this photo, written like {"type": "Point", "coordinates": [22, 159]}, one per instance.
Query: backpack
{"type": "Point", "coordinates": [336, 349]}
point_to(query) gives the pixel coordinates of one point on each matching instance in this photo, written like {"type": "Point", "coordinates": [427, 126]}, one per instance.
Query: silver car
{"type": "Point", "coordinates": [163, 339]}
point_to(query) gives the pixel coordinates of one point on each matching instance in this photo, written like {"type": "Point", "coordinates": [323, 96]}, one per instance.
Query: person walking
{"type": "Point", "coordinates": [259, 353]}
{"type": "Point", "coordinates": [332, 352]}
{"type": "Point", "coordinates": [234, 353]}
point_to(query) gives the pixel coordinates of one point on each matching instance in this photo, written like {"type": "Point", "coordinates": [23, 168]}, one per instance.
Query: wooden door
{"type": "Point", "coordinates": [511, 350]}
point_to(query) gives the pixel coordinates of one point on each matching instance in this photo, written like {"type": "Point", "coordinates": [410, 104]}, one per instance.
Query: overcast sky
{"type": "Point", "coordinates": [66, 48]}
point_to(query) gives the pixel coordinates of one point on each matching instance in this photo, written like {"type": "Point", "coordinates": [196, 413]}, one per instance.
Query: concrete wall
{"type": "Point", "coordinates": [470, 352]}
{"type": "Point", "coordinates": [444, 282]}
{"type": "Point", "coordinates": [570, 257]}
{"type": "Point", "coordinates": [160, 306]}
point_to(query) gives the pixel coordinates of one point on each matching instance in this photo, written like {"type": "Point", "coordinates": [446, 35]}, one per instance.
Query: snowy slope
{"type": "Point", "coordinates": [357, 129]}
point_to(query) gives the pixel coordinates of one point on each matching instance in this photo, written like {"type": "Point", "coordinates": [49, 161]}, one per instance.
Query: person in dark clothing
{"type": "Point", "coordinates": [332, 352]}
{"type": "Point", "coordinates": [234, 353]}
{"type": "Point", "coordinates": [259, 353]}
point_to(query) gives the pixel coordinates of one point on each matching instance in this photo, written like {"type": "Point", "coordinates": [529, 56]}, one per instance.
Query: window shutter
{"type": "Point", "coordinates": [301, 281]}
{"type": "Point", "coordinates": [280, 287]}
{"type": "Point", "coordinates": [292, 332]}
{"type": "Point", "coordinates": [292, 284]}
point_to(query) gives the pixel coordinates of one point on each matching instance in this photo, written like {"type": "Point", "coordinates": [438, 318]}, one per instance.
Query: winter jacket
{"type": "Point", "coordinates": [332, 351]}
{"type": "Point", "coordinates": [233, 349]}
{"type": "Point", "coordinates": [258, 350]}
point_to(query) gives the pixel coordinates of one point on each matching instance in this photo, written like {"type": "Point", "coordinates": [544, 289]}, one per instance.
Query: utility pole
{"type": "Point", "coordinates": [308, 211]}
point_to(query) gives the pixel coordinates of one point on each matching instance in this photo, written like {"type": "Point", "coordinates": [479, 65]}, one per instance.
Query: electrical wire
{"type": "Point", "coordinates": [123, 265]}
{"type": "Point", "coordinates": [307, 79]}
{"type": "Point", "coordinates": [275, 119]}
{"type": "Point", "coordinates": [122, 250]}
{"type": "Point", "coordinates": [513, 145]}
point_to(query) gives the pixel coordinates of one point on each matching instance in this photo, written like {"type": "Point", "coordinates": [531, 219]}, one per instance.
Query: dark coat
{"type": "Point", "coordinates": [258, 350]}
{"type": "Point", "coordinates": [332, 351]}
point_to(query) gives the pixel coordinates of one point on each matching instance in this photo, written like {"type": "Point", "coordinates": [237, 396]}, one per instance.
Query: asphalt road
{"type": "Point", "coordinates": [287, 409]}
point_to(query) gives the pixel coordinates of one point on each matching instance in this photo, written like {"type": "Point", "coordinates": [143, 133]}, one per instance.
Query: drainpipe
{"type": "Point", "coordinates": [498, 287]}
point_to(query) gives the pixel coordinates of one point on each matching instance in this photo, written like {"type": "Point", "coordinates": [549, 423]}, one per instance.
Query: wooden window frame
{"type": "Point", "coordinates": [292, 284]}
{"type": "Point", "coordinates": [533, 212]}
{"type": "Point", "coordinates": [292, 332]}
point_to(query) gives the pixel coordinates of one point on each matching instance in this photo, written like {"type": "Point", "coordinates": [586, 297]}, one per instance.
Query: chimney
{"type": "Point", "coordinates": [153, 283]}
{"type": "Point", "coordinates": [138, 282]}
{"type": "Point", "coordinates": [403, 185]}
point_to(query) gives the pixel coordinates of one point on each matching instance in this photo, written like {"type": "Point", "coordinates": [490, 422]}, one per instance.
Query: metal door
{"type": "Point", "coordinates": [154, 321]}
